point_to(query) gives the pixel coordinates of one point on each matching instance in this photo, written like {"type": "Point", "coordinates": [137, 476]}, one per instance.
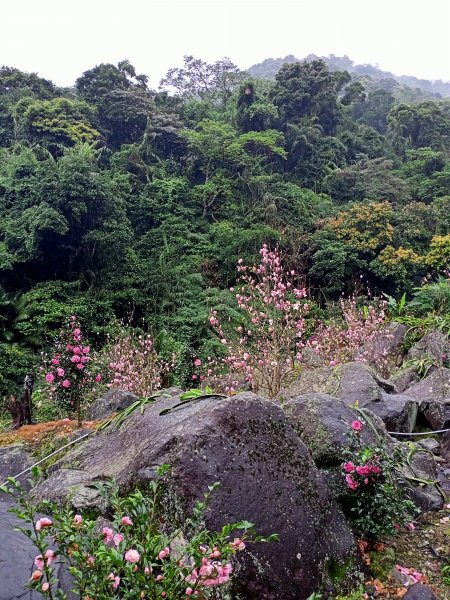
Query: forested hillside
{"type": "Point", "coordinates": [118, 200]}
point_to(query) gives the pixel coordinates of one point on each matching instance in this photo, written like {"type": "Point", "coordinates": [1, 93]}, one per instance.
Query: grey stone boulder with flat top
{"type": "Point", "coordinates": [266, 476]}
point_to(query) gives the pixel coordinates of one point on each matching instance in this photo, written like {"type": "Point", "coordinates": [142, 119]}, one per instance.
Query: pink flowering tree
{"type": "Point", "coordinates": [133, 363]}
{"type": "Point", "coordinates": [265, 348]}
{"type": "Point", "coordinates": [338, 340]}
{"type": "Point", "coordinates": [69, 374]}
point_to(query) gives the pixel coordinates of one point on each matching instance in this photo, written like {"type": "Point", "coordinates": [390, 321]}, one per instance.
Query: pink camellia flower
{"type": "Point", "coordinates": [36, 575]}
{"type": "Point", "coordinates": [75, 358]}
{"type": "Point", "coordinates": [39, 562]}
{"type": "Point", "coordinates": [352, 484]}
{"type": "Point", "coordinates": [85, 359]}
{"type": "Point", "coordinates": [117, 539]}
{"type": "Point", "coordinates": [86, 349]}
{"type": "Point", "coordinates": [132, 556]}
{"type": "Point", "coordinates": [77, 350]}
{"type": "Point", "coordinates": [80, 366]}
{"type": "Point", "coordinates": [90, 560]}
{"type": "Point", "coordinates": [45, 586]}
{"type": "Point", "coordinates": [49, 377]}
{"type": "Point", "coordinates": [357, 426]}
{"type": "Point", "coordinates": [55, 361]}
{"type": "Point", "coordinates": [197, 362]}
{"type": "Point", "coordinates": [49, 556]}
{"type": "Point", "coordinates": [239, 544]}
{"type": "Point", "coordinates": [98, 378]}
{"type": "Point", "coordinates": [66, 383]}
{"type": "Point", "coordinates": [44, 522]}
{"type": "Point", "coordinates": [115, 579]}
{"type": "Point", "coordinates": [78, 519]}
{"type": "Point", "coordinates": [194, 377]}
{"type": "Point", "coordinates": [73, 318]}
{"type": "Point", "coordinates": [77, 331]}
{"type": "Point", "coordinates": [108, 533]}
{"type": "Point", "coordinates": [164, 553]}
{"type": "Point", "coordinates": [126, 521]}
{"type": "Point", "coordinates": [349, 467]}
{"type": "Point", "coordinates": [60, 372]}
{"type": "Point", "coordinates": [189, 591]}
{"type": "Point", "coordinates": [410, 526]}
{"type": "Point", "coordinates": [147, 570]}
{"type": "Point", "coordinates": [363, 470]}
{"type": "Point", "coordinates": [69, 347]}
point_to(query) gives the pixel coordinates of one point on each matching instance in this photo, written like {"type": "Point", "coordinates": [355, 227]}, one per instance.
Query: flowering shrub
{"type": "Point", "coordinates": [134, 364]}
{"type": "Point", "coordinates": [376, 500]}
{"type": "Point", "coordinates": [68, 374]}
{"type": "Point", "coordinates": [263, 351]}
{"type": "Point", "coordinates": [132, 557]}
{"type": "Point", "coordinates": [338, 340]}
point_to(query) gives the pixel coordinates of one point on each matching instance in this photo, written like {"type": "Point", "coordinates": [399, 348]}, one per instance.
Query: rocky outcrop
{"type": "Point", "coordinates": [434, 387]}
{"type": "Point", "coordinates": [419, 591]}
{"type": "Point", "coordinates": [266, 472]}
{"type": "Point", "coordinates": [109, 403]}
{"type": "Point", "coordinates": [398, 412]}
{"type": "Point", "coordinates": [432, 346]}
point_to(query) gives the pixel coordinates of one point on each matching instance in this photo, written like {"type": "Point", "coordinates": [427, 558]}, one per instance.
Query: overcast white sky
{"type": "Point", "coordinates": [59, 39]}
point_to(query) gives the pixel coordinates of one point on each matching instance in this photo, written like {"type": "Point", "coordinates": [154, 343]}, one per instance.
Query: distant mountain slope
{"type": "Point", "coordinates": [267, 69]}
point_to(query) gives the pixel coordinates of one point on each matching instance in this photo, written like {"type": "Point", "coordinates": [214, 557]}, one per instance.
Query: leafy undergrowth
{"type": "Point", "coordinates": [417, 555]}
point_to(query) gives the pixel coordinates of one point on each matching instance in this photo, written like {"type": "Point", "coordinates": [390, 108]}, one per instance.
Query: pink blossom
{"type": "Point", "coordinates": [78, 519]}
{"type": "Point", "coordinates": [126, 521]}
{"type": "Point", "coordinates": [66, 383]}
{"type": "Point", "coordinates": [90, 560]}
{"type": "Point", "coordinates": [75, 358]}
{"type": "Point", "coordinates": [197, 362]}
{"type": "Point", "coordinates": [80, 366]}
{"type": "Point", "coordinates": [36, 575]}
{"type": "Point", "coordinates": [357, 426]}
{"type": "Point", "coordinates": [352, 484]}
{"type": "Point", "coordinates": [189, 591]}
{"type": "Point", "coordinates": [410, 526]}
{"type": "Point", "coordinates": [132, 556]}
{"type": "Point", "coordinates": [55, 361]}
{"type": "Point", "coordinates": [98, 378]}
{"type": "Point", "coordinates": [60, 372]}
{"type": "Point", "coordinates": [39, 562]}
{"type": "Point", "coordinates": [77, 331]}
{"type": "Point", "coordinates": [118, 539]}
{"type": "Point", "coordinates": [239, 544]}
{"type": "Point", "coordinates": [86, 350]}
{"type": "Point", "coordinates": [349, 467]}
{"type": "Point", "coordinates": [77, 350]}
{"type": "Point", "coordinates": [73, 318]}
{"type": "Point", "coordinates": [147, 570]}
{"type": "Point", "coordinates": [115, 579]}
{"type": "Point", "coordinates": [45, 586]}
{"type": "Point", "coordinates": [363, 470]}
{"type": "Point", "coordinates": [108, 533]}
{"type": "Point", "coordinates": [164, 553]}
{"type": "Point", "coordinates": [49, 377]}
{"type": "Point", "coordinates": [44, 522]}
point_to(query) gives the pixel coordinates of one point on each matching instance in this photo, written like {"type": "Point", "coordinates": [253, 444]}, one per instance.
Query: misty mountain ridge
{"type": "Point", "coordinates": [267, 69]}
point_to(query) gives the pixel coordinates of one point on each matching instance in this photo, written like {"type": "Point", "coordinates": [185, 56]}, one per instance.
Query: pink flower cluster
{"type": "Point", "coordinates": [412, 574]}
{"type": "Point", "coordinates": [265, 350]}
{"type": "Point", "coordinates": [357, 475]}
{"type": "Point", "coordinates": [135, 365]}
{"type": "Point", "coordinates": [210, 574]}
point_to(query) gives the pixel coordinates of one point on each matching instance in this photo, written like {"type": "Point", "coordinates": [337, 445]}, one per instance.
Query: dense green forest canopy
{"type": "Point", "coordinates": [118, 199]}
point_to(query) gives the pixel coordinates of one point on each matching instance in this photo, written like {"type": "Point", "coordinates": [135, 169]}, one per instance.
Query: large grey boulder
{"type": "Point", "coordinates": [324, 423]}
{"type": "Point", "coordinates": [351, 382]}
{"type": "Point", "coordinates": [111, 402]}
{"type": "Point", "coordinates": [434, 387]}
{"type": "Point", "coordinates": [398, 412]}
{"type": "Point", "coordinates": [267, 477]}
{"type": "Point", "coordinates": [432, 346]}
{"type": "Point", "coordinates": [384, 352]}
{"type": "Point", "coordinates": [437, 414]}
{"type": "Point", "coordinates": [13, 460]}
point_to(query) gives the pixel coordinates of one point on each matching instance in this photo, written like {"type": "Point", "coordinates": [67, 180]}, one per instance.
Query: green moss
{"type": "Point", "coordinates": [381, 563]}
